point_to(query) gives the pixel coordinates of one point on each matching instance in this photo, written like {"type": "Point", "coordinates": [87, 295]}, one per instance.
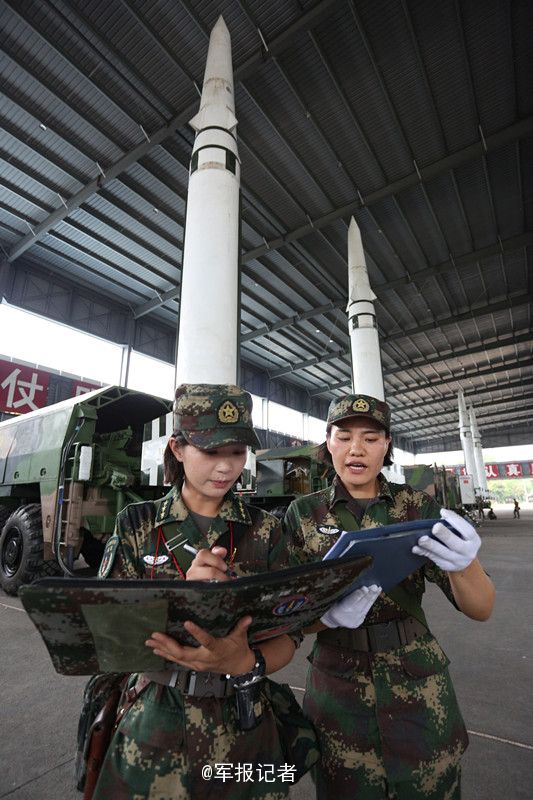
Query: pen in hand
{"type": "Point", "coordinates": [190, 549]}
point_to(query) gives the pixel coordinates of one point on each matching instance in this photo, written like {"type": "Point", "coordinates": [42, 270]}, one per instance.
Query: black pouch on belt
{"type": "Point", "coordinates": [249, 705]}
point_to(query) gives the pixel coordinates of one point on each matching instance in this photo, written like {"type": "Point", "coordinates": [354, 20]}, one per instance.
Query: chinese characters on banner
{"type": "Point", "coordinates": [514, 469]}
{"type": "Point", "coordinates": [24, 388]}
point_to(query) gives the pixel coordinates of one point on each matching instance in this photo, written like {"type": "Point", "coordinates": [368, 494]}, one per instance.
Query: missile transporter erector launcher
{"type": "Point", "coordinates": [65, 472]}
{"type": "Point", "coordinates": [438, 482]}
{"type": "Point", "coordinates": [284, 473]}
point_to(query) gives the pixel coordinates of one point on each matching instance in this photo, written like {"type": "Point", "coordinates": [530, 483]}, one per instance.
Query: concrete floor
{"type": "Point", "coordinates": [492, 667]}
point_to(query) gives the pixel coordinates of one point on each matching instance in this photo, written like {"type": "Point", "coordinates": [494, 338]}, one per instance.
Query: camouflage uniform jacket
{"type": "Point", "coordinates": [166, 738]}
{"type": "Point", "coordinates": [380, 716]}
{"type": "Point", "coordinates": [130, 552]}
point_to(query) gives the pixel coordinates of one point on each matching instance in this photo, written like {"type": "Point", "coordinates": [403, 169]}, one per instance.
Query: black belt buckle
{"type": "Point", "coordinates": [384, 636]}
{"type": "Point", "coordinates": [206, 684]}
{"type": "Point", "coordinates": [190, 683]}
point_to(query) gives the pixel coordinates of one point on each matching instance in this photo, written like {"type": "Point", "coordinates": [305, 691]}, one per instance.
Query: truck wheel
{"type": "Point", "coordinates": [4, 516]}
{"type": "Point", "coordinates": [21, 548]}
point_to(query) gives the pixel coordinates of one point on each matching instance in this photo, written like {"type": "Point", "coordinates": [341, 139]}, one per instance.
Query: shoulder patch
{"type": "Point", "coordinates": [108, 557]}
{"type": "Point", "coordinates": [164, 509]}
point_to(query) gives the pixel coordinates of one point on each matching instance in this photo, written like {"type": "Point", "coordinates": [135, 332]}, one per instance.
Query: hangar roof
{"type": "Point", "coordinates": [414, 117]}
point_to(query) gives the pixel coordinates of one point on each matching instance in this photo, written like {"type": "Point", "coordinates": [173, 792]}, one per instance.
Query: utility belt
{"type": "Point", "coordinates": [247, 697]}
{"type": "Point", "coordinates": [374, 638]}
{"type": "Point", "coordinates": [194, 684]}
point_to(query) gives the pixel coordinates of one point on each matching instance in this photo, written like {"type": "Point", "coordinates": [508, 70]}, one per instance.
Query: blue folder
{"type": "Point", "coordinates": [390, 547]}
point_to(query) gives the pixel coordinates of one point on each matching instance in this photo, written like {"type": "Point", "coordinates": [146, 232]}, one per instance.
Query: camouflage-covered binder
{"type": "Point", "coordinates": [92, 626]}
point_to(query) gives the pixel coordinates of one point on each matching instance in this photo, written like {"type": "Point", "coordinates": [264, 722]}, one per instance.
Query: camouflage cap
{"type": "Point", "coordinates": [359, 405]}
{"type": "Point", "coordinates": [214, 414]}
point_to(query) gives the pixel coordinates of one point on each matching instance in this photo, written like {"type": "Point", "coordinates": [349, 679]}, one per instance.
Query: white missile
{"type": "Point", "coordinates": [367, 376]}
{"type": "Point", "coordinates": [466, 439]}
{"type": "Point", "coordinates": [478, 454]}
{"type": "Point", "coordinates": [209, 299]}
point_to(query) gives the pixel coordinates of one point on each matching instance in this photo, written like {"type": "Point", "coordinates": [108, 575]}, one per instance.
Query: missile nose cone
{"type": "Point", "coordinates": [355, 244]}
{"type": "Point", "coordinates": [358, 282]}
{"type": "Point", "coordinates": [220, 27]}
{"type": "Point", "coordinates": [462, 408]}
{"type": "Point", "coordinates": [217, 104]}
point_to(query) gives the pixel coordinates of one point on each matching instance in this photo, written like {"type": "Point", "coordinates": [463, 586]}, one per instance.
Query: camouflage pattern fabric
{"type": "Point", "coordinates": [212, 415]}
{"type": "Point", "coordinates": [359, 405]}
{"type": "Point", "coordinates": [389, 724]}
{"type": "Point", "coordinates": [132, 547]}
{"type": "Point", "coordinates": [91, 626]}
{"type": "Point", "coordinates": [172, 747]}
{"type": "Point", "coordinates": [166, 739]}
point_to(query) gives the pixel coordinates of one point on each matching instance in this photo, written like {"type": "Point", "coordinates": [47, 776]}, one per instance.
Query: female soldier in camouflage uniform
{"type": "Point", "coordinates": [183, 724]}
{"type": "Point", "coordinates": [379, 693]}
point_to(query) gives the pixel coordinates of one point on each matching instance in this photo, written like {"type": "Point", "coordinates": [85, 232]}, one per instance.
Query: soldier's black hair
{"type": "Point", "coordinates": [173, 469]}
{"type": "Point", "coordinates": [322, 453]}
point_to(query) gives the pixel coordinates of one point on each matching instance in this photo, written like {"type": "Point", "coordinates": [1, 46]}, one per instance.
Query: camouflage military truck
{"type": "Point", "coordinates": [65, 472]}
{"type": "Point", "coordinates": [284, 473]}
{"type": "Point", "coordinates": [438, 482]}
{"type": "Point", "coordinates": [445, 486]}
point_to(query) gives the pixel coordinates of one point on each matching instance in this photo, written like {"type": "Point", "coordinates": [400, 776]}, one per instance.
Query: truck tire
{"type": "Point", "coordinates": [21, 548]}
{"type": "Point", "coordinates": [4, 516]}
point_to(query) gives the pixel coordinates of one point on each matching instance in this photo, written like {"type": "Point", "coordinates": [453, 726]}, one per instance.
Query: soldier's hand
{"type": "Point", "coordinates": [229, 654]}
{"type": "Point", "coordinates": [209, 565]}
{"type": "Point", "coordinates": [351, 611]}
{"type": "Point", "coordinates": [450, 551]}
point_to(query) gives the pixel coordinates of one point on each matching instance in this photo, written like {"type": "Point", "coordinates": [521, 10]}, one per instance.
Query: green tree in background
{"type": "Point", "coordinates": [503, 491]}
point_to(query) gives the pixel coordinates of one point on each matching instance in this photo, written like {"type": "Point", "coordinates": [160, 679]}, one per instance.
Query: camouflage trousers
{"type": "Point", "coordinates": [388, 723]}
{"type": "Point", "coordinates": [172, 747]}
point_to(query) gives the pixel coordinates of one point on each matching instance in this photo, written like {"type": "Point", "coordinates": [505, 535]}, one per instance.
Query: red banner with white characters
{"type": "Point", "coordinates": [511, 469]}
{"type": "Point", "coordinates": [22, 388]}
{"type": "Point", "coordinates": [25, 388]}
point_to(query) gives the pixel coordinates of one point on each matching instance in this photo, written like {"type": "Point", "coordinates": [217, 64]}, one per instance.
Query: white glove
{"type": "Point", "coordinates": [456, 552]}
{"type": "Point", "coordinates": [351, 610]}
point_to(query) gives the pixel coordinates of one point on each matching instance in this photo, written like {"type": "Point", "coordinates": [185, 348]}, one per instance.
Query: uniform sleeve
{"type": "Point", "coordinates": [278, 553]}
{"type": "Point", "coordinates": [294, 536]}
{"type": "Point", "coordinates": [119, 560]}
{"type": "Point", "coordinates": [279, 558]}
